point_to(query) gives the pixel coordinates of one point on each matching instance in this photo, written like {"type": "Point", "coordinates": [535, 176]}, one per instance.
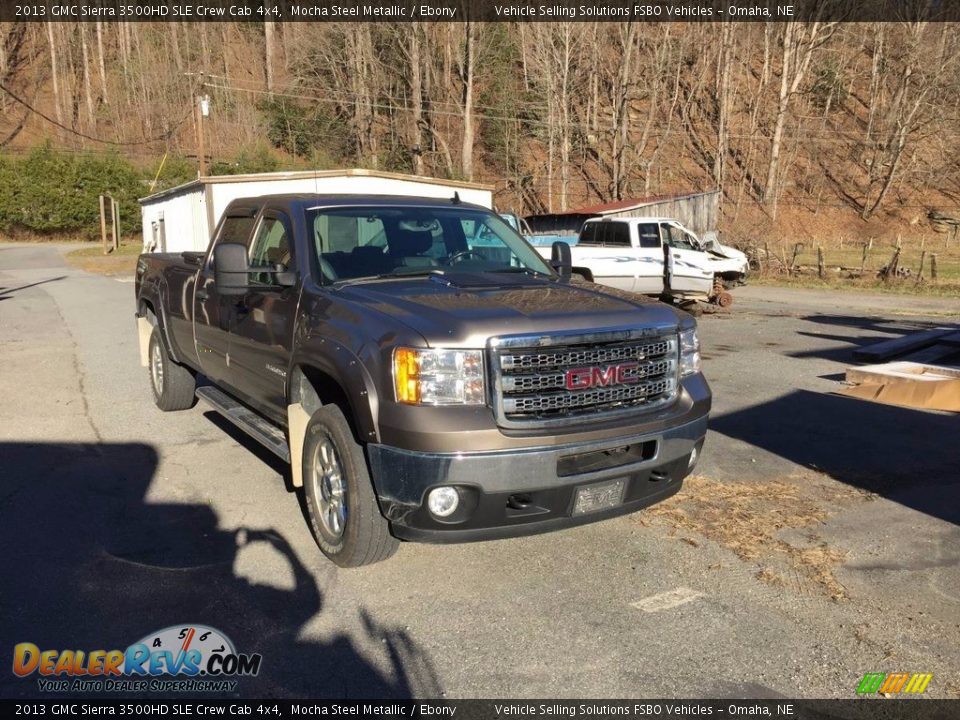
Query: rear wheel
{"type": "Point", "coordinates": [343, 510]}
{"type": "Point", "coordinates": [173, 386]}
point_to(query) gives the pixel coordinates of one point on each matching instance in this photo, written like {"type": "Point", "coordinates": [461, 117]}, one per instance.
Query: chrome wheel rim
{"type": "Point", "coordinates": [156, 369]}
{"type": "Point", "coordinates": [331, 488]}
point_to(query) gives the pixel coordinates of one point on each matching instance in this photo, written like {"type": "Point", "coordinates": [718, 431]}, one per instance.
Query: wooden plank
{"type": "Point", "coordinates": [898, 346]}
{"type": "Point", "coordinates": [935, 354]}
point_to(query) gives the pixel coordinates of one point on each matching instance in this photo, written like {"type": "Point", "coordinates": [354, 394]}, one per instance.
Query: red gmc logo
{"type": "Point", "coordinates": [588, 377]}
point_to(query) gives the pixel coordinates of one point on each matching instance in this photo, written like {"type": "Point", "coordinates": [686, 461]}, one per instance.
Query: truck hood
{"type": "Point", "coordinates": [464, 310]}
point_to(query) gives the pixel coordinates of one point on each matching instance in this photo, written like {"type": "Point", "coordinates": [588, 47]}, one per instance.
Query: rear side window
{"type": "Point", "coordinates": [588, 236]}
{"type": "Point", "coordinates": [618, 234]}
{"type": "Point", "coordinates": [649, 235]}
{"type": "Point", "coordinates": [606, 234]}
{"type": "Point", "coordinates": [236, 229]}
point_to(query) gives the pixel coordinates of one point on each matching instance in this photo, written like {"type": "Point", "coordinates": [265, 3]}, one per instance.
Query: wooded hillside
{"type": "Point", "coordinates": [851, 124]}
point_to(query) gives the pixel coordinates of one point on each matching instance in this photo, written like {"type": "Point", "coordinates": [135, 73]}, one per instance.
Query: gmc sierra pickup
{"type": "Point", "coordinates": [427, 375]}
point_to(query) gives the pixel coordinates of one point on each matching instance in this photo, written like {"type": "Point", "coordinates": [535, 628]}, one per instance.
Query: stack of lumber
{"type": "Point", "coordinates": [927, 346]}
{"type": "Point", "coordinates": [911, 381]}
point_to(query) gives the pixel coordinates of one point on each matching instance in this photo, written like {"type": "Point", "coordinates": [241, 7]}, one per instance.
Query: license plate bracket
{"type": "Point", "coordinates": [598, 496]}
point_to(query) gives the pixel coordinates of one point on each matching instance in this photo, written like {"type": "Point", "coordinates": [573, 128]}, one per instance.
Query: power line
{"type": "Point", "coordinates": [346, 97]}
{"type": "Point", "coordinates": [119, 143]}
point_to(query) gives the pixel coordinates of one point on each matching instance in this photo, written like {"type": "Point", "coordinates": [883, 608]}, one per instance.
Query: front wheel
{"type": "Point", "coordinates": [343, 510]}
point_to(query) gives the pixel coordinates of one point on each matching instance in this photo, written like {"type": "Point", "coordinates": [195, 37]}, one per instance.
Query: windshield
{"type": "Point", "coordinates": [355, 242]}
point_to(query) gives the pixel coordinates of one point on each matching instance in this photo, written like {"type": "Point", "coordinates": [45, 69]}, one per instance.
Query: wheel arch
{"type": "Point", "coordinates": [310, 387]}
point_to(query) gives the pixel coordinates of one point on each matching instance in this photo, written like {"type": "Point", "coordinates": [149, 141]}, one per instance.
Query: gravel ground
{"type": "Point", "coordinates": [818, 540]}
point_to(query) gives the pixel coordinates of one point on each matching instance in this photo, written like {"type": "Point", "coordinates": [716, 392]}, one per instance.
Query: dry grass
{"type": "Point", "coordinates": [748, 518]}
{"type": "Point", "coordinates": [943, 288]}
{"type": "Point", "coordinates": [92, 259]}
{"type": "Point", "coordinates": [843, 259]}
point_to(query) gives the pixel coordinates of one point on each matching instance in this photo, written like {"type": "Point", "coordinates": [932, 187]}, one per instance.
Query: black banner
{"type": "Point", "coordinates": [478, 10]}
{"type": "Point", "coordinates": [854, 709]}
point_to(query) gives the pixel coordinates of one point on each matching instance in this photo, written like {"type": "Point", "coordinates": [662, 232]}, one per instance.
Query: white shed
{"type": "Point", "coordinates": [184, 217]}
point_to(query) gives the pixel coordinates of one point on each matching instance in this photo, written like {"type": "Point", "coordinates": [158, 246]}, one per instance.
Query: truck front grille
{"type": "Point", "coordinates": [552, 380]}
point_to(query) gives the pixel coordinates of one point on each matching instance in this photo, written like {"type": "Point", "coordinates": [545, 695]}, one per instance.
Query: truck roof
{"type": "Point", "coordinates": [631, 219]}
{"type": "Point", "coordinates": [310, 201]}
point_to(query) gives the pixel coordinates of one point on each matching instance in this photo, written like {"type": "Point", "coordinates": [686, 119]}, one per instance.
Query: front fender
{"type": "Point", "coordinates": [348, 371]}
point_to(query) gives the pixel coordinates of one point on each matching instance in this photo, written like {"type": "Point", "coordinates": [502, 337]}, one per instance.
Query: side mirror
{"type": "Point", "coordinates": [561, 258]}
{"type": "Point", "coordinates": [230, 269]}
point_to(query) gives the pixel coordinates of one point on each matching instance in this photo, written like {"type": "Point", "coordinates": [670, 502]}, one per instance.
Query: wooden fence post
{"type": "Point", "coordinates": [866, 252]}
{"type": "Point", "coordinates": [820, 261]}
{"type": "Point", "coordinates": [796, 251]}
{"type": "Point", "coordinates": [923, 256]}
{"type": "Point", "coordinates": [103, 224]}
{"type": "Point", "coordinates": [116, 223]}
{"type": "Point", "coordinates": [933, 267]}
{"type": "Point", "coordinates": [891, 269]}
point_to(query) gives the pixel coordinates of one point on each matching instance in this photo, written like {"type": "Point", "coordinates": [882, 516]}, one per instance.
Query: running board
{"type": "Point", "coordinates": [264, 432]}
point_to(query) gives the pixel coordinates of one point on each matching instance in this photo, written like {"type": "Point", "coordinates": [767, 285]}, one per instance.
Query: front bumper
{"type": "Point", "coordinates": [522, 492]}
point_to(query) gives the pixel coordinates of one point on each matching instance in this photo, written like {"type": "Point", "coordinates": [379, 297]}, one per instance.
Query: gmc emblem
{"type": "Point", "coordinates": [588, 377]}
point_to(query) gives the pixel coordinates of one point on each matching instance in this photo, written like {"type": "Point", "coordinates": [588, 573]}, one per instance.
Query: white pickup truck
{"type": "Point", "coordinates": [656, 256]}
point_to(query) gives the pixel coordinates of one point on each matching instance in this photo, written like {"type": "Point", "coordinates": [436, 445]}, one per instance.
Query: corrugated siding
{"type": "Point", "coordinates": [699, 212]}
{"type": "Point", "coordinates": [184, 221]}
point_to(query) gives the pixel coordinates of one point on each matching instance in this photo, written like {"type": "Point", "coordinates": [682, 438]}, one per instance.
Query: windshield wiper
{"type": "Point", "coordinates": [527, 271]}
{"type": "Point", "coordinates": [412, 272]}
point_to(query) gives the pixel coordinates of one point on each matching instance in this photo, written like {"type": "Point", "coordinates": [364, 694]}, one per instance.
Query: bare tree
{"type": "Point", "coordinates": [799, 42]}
{"type": "Point", "coordinates": [269, 48]}
{"type": "Point", "coordinates": [909, 97]}
{"type": "Point", "coordinates": [52, 42]}
{"type": "Point", "coordinates": [555, 52]}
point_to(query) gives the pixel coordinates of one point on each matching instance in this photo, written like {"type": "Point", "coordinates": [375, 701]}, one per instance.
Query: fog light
{"type": "Point", "coordinates": [443, 501]}
{"type": "Point", "coordinates": [693, 459]}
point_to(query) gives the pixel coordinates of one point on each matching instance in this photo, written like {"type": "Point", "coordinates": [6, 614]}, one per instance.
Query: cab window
{"type": "Point", "coordinates": [270, 249]}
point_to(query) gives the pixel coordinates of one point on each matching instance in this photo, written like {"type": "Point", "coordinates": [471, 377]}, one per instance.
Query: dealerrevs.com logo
{"type": "Point", "coordinates": [184, 658]}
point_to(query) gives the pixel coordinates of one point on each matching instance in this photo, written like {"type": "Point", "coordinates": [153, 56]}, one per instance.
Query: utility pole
{"type": "Point", "coordinates": [201, 110]}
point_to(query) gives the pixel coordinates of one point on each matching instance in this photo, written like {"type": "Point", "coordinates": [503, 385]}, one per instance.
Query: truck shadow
{"type": "Point", "coordinates": [91, 564]}
{"type": "Point", "coordinates": [908, 456]}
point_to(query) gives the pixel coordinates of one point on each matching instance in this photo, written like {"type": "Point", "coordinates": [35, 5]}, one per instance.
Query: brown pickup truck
{"type": "Point", "coordinates": [427, 375]}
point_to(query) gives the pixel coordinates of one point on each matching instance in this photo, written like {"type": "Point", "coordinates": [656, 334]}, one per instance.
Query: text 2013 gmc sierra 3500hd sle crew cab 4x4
{"type": "Point", "coordinates": [425, 372]}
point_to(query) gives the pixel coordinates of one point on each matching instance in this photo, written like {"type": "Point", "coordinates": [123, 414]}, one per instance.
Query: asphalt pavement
{"type": "Point", "coordinates": [118, 520]}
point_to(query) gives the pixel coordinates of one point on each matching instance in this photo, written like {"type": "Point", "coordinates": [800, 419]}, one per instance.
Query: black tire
{"type": "Point", "coordinates": [364, 537]}
{"type": "Point", "coordinates": [174, 387]}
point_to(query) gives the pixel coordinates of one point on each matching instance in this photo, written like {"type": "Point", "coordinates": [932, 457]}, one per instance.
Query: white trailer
{"type": "Point", "coordinates": [184, 217]}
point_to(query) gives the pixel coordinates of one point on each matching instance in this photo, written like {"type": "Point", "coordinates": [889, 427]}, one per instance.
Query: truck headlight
{"type": "Point", "coordinates": [438, 377]}
{"type": "Point", "coordinates": [689, 352]}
